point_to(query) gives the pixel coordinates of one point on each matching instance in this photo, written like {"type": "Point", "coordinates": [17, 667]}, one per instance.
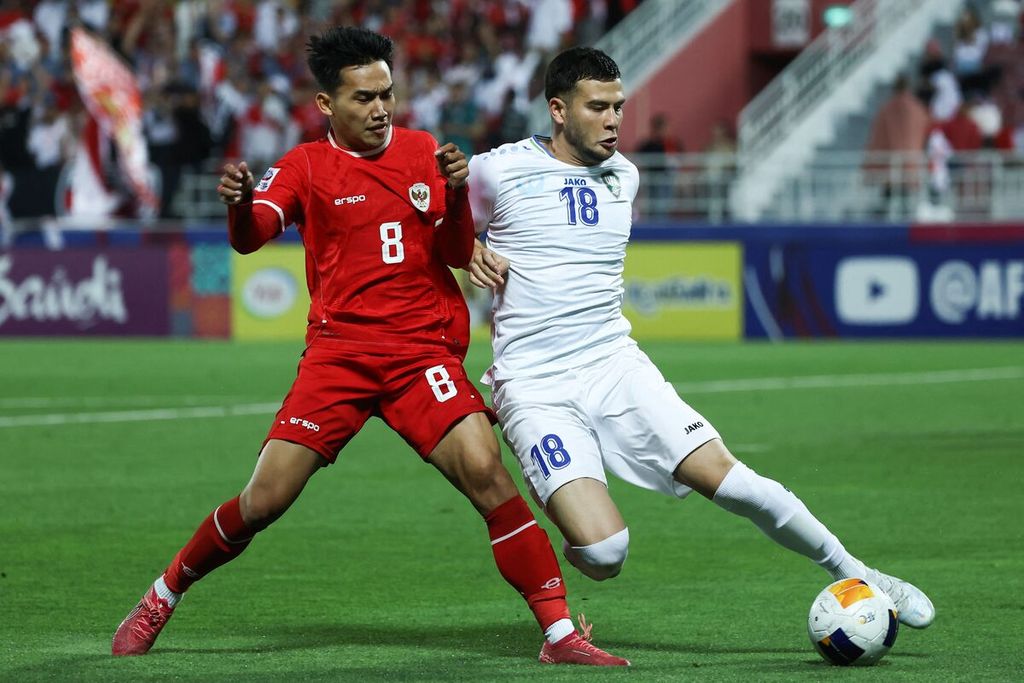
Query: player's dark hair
{"type": "Point", "coordinates": [343, 46]}
{"type": "Point", "coordinates": [578, 64]}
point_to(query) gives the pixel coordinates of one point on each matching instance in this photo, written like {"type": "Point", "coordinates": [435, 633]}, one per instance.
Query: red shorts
{"type": "Point", "coordinates": [419, 395]}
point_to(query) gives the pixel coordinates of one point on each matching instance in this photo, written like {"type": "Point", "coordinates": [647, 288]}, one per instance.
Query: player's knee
{"type": "Point", "coordinates": [262, 504]}
{"type": "Point", "coordinates": [481, 473]}
{"type": "Point", "coordinates": [602, 560]}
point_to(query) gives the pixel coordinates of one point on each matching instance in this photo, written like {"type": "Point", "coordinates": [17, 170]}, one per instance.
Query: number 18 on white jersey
{"type": "Point", "coordinates": [564, 230]}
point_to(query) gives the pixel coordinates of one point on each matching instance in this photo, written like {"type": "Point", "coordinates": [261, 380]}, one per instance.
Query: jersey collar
{"type": "Point", "coordinates": [368, 153]}
{"type": "Point", "coordinates": [537, 140]}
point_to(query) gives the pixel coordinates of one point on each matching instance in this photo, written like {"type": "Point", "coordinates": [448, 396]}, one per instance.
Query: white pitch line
{"type": "Point", "coordinates": [840, 381]}
{"type": "Point", "coordinates": [200, 412]}
{"type": "Point", "coordinates": [114, 400]}
{"type": "Point", "coordinates": [719, 386]}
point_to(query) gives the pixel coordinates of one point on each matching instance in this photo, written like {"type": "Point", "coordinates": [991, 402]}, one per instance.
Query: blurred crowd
{"type": "Point", "coordinates": [970, 93]}
{"type": "Point", "coordinates": [228, 78]}
{"type": "Point", "coordinates": [967, 95]}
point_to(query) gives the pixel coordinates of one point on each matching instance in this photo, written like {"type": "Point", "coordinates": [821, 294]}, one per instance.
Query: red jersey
{"type": "Point", "coordinates": [377, 229]}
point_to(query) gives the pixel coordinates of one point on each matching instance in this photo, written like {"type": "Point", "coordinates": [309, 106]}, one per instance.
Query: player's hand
{"type": "Point", "coordinates": [453, 165]}
{"type": "Point", "coordinates": [486, 268]}
{"type": "Point", "coordinates": [236, 184]}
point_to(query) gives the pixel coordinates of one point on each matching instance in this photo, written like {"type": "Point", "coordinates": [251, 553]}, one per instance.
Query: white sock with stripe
{"type": "Point", "coordinates": [166, 593]}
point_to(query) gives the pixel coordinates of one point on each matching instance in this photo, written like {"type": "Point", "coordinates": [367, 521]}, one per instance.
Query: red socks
{"type": "Point", "coordinates": [524, 557]}
{"type": "Point", "coordinates": [220, 538]}
{"type": "Point", "coordinates": [521, 549]}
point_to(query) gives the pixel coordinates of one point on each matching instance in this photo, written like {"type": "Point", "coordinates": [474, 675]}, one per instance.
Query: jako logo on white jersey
{"type": "Point", "coordinates": [354, 199]}
{"type": "Point", "coordinates": [305, 423]}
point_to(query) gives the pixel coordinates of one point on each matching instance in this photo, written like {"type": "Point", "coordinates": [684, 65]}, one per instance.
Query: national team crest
{"type": "Point", "coordinates": [611, 181]}
{"type": "Point", "coordinates": [420, 196]}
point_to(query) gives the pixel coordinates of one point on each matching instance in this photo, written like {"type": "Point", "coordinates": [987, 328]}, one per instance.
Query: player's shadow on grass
{"type": "Point", "coordinates": [696, 648]}
{"type": "Point", "coordinates": [499, 640]}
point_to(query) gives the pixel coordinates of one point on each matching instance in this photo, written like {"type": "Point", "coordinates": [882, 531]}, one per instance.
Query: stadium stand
{"type": "Point", "coordinates": [224, 79]}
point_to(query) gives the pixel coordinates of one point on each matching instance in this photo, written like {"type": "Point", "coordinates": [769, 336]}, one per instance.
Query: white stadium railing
{"type": "Point", "coordinates": [643, 41]}
{"type": "Point", "coordinates": [831, 78]}
{"type": "Point", "coordinates": [839, 189]}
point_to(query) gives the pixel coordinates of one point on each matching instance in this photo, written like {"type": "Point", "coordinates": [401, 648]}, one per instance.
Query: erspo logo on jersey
{"type": "Point", "coordinates": [354, 199]}
{"type": "Point", "coordinates": [312, 426]}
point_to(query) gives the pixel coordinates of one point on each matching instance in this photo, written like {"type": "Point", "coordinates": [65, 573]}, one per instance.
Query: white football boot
{"type": "Point", "coordinates": [913, 606]}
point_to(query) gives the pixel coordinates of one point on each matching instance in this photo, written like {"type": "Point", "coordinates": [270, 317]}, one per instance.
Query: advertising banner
{"type": "Point", "coordinates": [268, 293]}
{"type": "Point", "coordinates": [954, 290]}
{"type": "Point", "coordinates": [84, 292]}
{"type": "Point", "coordinates": [688, 290]}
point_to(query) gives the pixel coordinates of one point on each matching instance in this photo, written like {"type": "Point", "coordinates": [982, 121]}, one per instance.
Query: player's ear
{"type": "Point", "coordinates": [323, 103]}
{"type": "Point", "coordinates": [557, 107]}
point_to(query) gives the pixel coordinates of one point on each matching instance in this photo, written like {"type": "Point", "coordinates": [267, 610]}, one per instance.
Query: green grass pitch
{"type": "Point", "coordinates": [913, 453]}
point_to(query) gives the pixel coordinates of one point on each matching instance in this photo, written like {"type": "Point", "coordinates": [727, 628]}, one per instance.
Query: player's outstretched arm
{"type": "Point", "coordinates": [246, 232]}
{"type": "Point", "coordinates": [486, 268]}
{"type": "Point", "coordinates": [455, 238]}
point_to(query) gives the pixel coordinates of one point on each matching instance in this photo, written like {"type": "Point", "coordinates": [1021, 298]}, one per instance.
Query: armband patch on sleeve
{"type": "Point", "coordinates": [267, 179]}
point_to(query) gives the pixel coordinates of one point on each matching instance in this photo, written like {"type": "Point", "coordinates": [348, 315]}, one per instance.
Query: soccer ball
{"type": "Point", "coordinates": [852, 622]}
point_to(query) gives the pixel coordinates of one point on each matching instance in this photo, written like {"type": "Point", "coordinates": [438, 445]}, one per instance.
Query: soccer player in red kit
{"type": "Point", "coordinates": [383, 212]}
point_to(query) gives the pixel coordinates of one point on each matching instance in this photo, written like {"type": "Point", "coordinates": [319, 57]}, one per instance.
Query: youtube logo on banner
{"type": "Point", "coordinates": [877, 290]}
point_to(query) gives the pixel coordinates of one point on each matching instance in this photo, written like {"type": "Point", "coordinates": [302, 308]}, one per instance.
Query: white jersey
{"type": "Point", "coordinates": [564, 231]}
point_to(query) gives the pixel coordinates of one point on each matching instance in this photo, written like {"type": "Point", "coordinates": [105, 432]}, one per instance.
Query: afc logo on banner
{"type": "Point", "coordinates": [992, 290]}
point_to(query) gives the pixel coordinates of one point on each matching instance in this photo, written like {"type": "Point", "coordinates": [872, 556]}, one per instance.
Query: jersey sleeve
{"type": "Point", "coordinates": [284, 186]}
{"type": "Point", "coordinates": [483, 189]}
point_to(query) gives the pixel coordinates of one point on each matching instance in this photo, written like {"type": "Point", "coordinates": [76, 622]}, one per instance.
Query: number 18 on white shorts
{"type": "Point", "coordinates": [617, 414]}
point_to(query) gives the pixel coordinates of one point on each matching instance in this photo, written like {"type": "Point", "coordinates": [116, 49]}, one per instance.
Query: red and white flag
{"type": "Point", "coordinates": [111, 94]}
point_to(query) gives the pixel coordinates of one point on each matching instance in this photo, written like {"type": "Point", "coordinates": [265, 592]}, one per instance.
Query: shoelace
{"type": "Point", "coordinates": [154, 616]}
{"type": "Point", "coordinates": [585, 628]}
{"type": "Point", "coordinates": [900, 597]}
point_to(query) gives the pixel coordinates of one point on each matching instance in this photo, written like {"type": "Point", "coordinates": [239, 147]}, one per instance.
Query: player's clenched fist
{"type": "Point", "coordinates": [236, 184]}
{"type": "Point", "coordinates": [453, 165]}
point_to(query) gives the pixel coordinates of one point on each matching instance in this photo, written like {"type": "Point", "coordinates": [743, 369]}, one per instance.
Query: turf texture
{"type": "Point", "coordinates": [111, 452]}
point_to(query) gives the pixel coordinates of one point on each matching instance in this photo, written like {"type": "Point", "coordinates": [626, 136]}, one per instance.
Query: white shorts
{"type": "Point", "coordinates": [617, 414]}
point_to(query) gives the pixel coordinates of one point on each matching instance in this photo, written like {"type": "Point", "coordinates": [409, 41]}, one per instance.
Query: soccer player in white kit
{"type": "Point", "coordinates": [574, 394]}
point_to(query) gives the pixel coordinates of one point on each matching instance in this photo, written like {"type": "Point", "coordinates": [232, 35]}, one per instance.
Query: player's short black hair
{"type": "Point", "coordinates": [578, 64]}
{"type": "Point", "coordinates": [343, 46]}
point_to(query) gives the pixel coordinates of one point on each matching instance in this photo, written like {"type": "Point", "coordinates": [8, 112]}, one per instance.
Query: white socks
{"type": "Point", "coordinates": [784, 519]}
{"type": "Point", "coordinates": [558, 630]}
{"type": "Point", "coordinates": [166, 593]}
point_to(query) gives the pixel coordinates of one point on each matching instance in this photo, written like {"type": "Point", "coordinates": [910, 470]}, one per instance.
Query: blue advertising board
{"type": "Point", "coordinates": [898, 290]}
